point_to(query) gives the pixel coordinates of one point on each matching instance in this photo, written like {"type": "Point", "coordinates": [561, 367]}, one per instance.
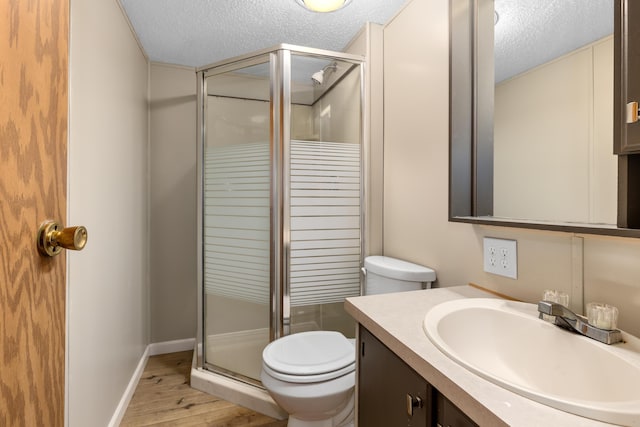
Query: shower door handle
{"type": "Point", "coordinates": [52, 239]}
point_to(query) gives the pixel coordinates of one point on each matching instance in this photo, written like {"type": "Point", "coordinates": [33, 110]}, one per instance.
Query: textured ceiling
{"type": "Point", "coordinates": [532, 32]}
{"type": "Point", "coordinates": [200, 32]}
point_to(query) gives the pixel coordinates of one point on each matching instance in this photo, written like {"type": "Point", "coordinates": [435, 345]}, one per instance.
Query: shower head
{"type": "Point", "coordinates": [318, 77]}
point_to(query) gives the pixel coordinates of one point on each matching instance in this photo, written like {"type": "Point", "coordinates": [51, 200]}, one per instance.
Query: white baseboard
{"type": "Point", "coordinates": [152, 349]}
{"type": "Point", "coordinates": [118, 415]}
{"type": "Point", "coordinates": [157, 348]}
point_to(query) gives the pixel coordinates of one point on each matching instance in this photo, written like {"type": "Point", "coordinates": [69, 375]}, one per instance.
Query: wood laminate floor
{"type": "Point", "coordinates": [164, 398]}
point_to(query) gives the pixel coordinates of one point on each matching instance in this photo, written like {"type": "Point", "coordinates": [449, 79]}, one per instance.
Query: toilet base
{"type": "Point", "coordinates": [345, 418]}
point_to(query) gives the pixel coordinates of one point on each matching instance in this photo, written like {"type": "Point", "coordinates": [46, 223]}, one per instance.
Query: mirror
{"type": "Point", "coordinates": [532, 122]}
{"type": "Point", "coordinates": [553, 111]}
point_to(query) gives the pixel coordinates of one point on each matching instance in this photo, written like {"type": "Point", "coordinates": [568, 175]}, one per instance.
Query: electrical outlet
{"type": "Point", "coordinates": [500, 257]}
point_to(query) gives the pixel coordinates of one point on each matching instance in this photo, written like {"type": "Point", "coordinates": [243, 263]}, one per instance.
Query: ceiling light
{"type": "Point", "coordinates": [323, 5]}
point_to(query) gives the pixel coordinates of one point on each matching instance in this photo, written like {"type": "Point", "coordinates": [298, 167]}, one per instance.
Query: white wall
{"type": "Point", "coordinates": [173, 202]}
{"type": "Point", "coordinates": [416, 150]}
{"type": "Point", "coordinates": [108, 310]}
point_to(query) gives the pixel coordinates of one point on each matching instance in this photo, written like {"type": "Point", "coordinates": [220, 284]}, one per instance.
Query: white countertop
{"type": "Point", "coordinates": [396, 320]}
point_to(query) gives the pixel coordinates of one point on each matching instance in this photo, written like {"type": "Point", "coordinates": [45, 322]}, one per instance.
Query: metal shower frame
{"type": "Point", "coordinates": [279, 58]}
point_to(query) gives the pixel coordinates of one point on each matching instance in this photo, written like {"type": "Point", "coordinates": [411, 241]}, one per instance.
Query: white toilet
{"type": "Point", "coordinates": [311, 375]}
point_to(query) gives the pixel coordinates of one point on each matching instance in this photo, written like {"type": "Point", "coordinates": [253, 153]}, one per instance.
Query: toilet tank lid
{"type": "Point", "coordinates": [398, 269]}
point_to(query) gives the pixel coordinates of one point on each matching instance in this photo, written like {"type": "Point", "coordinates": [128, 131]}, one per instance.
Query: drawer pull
{"type": "Point", "coordinates": [413, 402]}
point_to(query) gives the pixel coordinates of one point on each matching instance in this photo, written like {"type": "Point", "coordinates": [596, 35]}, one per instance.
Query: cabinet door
{"type": "Point", "coordinates": [626, 84]}
{"type": "Point", "coordinates": [449, 415]}
{"type": "Point", "coordinates": [387, 386]}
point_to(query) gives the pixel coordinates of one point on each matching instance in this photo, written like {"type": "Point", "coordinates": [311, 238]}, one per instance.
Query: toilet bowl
{"type": "Point", "coordinates": [311, 375]}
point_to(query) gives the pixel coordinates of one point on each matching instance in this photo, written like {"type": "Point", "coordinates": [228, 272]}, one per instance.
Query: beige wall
{"type": "Point", "coordinates": [172, 162]}
{"type": "Point", "coordinates": [108, 310]}
{"type": "Point", "coordinates": [368, 42]}
{"type": "Point", "coordinates": [550, 161]}
{"type": "Point", "coordinates": [416, 191]}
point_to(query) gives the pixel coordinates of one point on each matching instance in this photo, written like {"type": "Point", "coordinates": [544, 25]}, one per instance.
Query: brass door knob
{"type": "Point", "coordinates": [51, 239]}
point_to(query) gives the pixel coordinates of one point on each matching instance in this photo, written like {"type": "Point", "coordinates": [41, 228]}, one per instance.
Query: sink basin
{"type": "Point", "coordinates": [505, 343]}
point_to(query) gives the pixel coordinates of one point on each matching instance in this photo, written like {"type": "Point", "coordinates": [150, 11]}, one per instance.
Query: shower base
{"type": "Point", "coordinates": [234, 391]}
{"type": "Point", "coordinates": [240, 352]}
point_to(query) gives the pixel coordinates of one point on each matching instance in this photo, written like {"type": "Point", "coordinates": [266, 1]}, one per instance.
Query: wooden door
{"type": "Point", "coordinates": [33, 153]}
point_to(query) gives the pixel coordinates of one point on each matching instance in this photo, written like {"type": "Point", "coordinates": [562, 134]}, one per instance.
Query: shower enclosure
{"type": "Point", "coordinates": [281, 189]}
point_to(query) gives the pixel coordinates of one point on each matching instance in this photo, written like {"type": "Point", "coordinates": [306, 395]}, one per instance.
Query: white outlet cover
{"type": "Point", "coordinates": [500, 257]}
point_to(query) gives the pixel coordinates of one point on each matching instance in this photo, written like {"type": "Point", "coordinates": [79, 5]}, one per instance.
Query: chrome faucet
{"type": "Point", "coordinates": [567, 319]}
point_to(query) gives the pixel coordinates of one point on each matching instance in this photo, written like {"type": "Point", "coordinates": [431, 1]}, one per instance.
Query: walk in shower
{"type": "Point", "coordinates": [281, 189]}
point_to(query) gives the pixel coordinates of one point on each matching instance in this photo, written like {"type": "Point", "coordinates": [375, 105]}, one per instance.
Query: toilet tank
{"type": "Point", "coordinates": [385, 274]}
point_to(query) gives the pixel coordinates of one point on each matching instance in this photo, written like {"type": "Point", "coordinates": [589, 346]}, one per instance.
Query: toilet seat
{"type": "Point", "coordinates": [305, 379]}
{"type": "Point", "coordinates": [308, 357]}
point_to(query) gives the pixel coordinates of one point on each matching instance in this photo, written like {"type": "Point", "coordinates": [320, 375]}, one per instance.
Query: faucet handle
{"type": "Point", "coordinates": [602, 316]}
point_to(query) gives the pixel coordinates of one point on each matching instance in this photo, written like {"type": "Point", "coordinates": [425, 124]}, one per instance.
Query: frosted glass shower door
{"type": "Point", "coordinates": [326, 193]}
{"type": "Point", "coordinates": [236, 221]}
{"type": "Point", "coordinates": [281, 196]}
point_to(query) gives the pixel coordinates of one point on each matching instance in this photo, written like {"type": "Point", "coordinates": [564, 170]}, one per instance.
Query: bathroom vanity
{"type": "Point", "coordinates": [393, 394]}
{"type": "Point", "coordinates": [403, 379]}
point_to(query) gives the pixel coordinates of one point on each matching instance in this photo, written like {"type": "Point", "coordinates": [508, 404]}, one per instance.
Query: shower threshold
{"type": "Point", "coordinates": [233, 390]}
{"type": "Point", "coordinates": [241, 353]}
